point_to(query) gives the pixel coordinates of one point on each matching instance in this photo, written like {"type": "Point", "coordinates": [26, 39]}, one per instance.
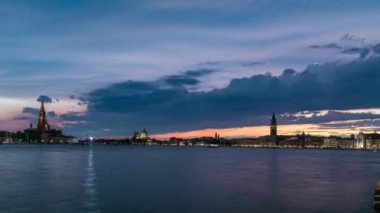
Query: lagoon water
{"type": "Point", "coordinates": [63, 178]}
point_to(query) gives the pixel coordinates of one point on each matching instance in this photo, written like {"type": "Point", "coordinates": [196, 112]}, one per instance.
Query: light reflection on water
{"type": "Point", "coordinates": [90, 200]}
{"type": "Point", "coordinates": [37, 178]}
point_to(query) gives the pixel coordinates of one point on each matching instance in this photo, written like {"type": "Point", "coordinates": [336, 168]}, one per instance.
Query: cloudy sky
{"type": "Point", "coordinates": [190, 68]}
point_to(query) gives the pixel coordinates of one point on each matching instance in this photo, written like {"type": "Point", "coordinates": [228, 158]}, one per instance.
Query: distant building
{"type": "Point", "coordinates": [42, 125]}
{"type": "Point", "coordinates": [217, 136]}
{"type": "Point", "coordinates": [337, 142]}
{"type": "Point", "coordinates": [368, 141]}
{"type": "Point", "coordinates": [142, 136]}
{"type": "Point", "coordinates": [273, 130]}
{"type": "Point", "coordinates": [331, 142]}
{"type": "Point", "coordinates": [43, 133]}
{"type": "Point", "coordinates": [5, 137]}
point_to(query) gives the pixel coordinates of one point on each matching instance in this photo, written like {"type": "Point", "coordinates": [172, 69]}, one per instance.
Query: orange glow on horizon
{"type": "Point", "coordinates": [256, 131]}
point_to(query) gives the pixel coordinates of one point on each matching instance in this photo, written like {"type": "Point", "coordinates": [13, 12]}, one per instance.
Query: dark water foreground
{"type": "Point", "coordinates": [55, 178]}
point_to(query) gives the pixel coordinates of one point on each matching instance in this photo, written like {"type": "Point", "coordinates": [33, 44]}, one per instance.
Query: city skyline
{"type": "Point", "coordinates": [190, 69]}
{"type": "Point", "coordinates": [236, 132]}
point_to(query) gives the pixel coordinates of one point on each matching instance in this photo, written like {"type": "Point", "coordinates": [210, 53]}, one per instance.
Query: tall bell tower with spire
{"type": "Point", "coordinates": [273, 129]}
{"type": "Point", "coordinates": [42, 125]}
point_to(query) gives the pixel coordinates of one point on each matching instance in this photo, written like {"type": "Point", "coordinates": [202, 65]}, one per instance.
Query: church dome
{"type": "Point", "coordinates": [143, 135]}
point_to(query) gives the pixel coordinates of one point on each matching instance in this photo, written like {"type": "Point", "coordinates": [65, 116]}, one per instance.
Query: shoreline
{"type": "Point", "coordinates": [189, 146]}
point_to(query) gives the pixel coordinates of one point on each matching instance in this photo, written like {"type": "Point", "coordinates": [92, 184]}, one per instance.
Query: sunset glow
{"type": "Point", "coordinates": [256, 131]}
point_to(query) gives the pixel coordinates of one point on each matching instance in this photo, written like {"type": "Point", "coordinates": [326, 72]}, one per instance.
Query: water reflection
{"type": "Point", "coordinates": [171, 179]}
{"type": "Point", "coordinates": [90, 199]}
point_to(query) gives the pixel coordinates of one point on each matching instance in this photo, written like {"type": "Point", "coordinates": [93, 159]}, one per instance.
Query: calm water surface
{"type": "Point", "coordinates": [59, 178]}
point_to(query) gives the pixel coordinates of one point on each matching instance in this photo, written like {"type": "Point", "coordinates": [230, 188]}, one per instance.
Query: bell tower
{"type": "Point", "coordinates": [42, 123]}
{"type": "Point", "coordinates": [273, 129]}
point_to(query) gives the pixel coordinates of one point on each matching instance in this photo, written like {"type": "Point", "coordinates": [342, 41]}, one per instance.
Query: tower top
{"type": "Point", "coordinates": [42, 108]}
{"type": "Point", "coordinates": [42, 124]}
{"type": "Point", "coordinates": [273, 121]}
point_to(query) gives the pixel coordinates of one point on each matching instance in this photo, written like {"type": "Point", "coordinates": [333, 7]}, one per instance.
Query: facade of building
{"type": "Point", "coordinates": [337, 142]}
{"type": "Point", "coordinates": [368, 141]}
{"type": "Point", "coordinates": [141, 136]}
{"type": "Point", "coordinates": [5, 136]}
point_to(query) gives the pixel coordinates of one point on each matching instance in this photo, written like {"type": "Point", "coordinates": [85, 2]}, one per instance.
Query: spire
{"type": "Point", "coordinates": [42, 125]}
{"type": "Point", "coordinates": [42, 108]}
{"type": "Point", "coordinates": [273, 130]}
{"type": "Point", "coordinates": [273, 121]}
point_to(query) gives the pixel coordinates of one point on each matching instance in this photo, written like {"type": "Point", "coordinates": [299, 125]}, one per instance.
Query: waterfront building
{"type": "Point", "coordinates": [368, 141]}
{"type": "Point", "coordinates": [43, 133]}
{"type": "Point", "coordinates": [141, 136]}
{"type": "Point", "coordinates": [174, 140]}
{"type": "Point", "coordinates": [5, 136]}
{"type": "Point", "coordinates": [201, 141]}
{"type": "Point", "coordinates": [273, 130]}
{"type": "Point", "coordinates": [337, 142]}
{"type": "Point", "coordinates": [331, 142]}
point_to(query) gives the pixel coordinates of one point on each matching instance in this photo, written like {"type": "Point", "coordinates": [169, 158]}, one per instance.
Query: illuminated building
{"type": "Point", "coordinates": [42, 125]}
{"type": "Point", "coordinates": [43, 133]}
{"type": "Point", "coordinates": [337, 142]}
{"type": "Point", "coordinates": [141, 136]}
{"type": "Point", "coordinates": [368, 141]}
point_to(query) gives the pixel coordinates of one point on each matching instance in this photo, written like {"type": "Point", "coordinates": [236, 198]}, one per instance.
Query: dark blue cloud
{"type": "Point", "coordinates": [52, 114]}
{"type": "Point", "coordinates": [30, 110]}
{"type": "Point", "coordinates": [252, 63]}
{"type": "Point", "coordinates": [248, 101]}
{"type": "Point", "coordinates": [230, 63]}
{"type": "Point", "coordinates": [35, 111]}
{"type": "Point", "coordinates": [178, 80]}
{"type": "Point", "coordinates": [376, 48]}
{"type": "Point", "coordinates": [326, 46]}
{"type": "Point", "coordinates": [362, 52]}
{"type": "Point", "coordinates": [198, 73]}
{"type": "Point", "coordinates": [188, 78]}
{"type": "Point", "coordinates": [45, 99]}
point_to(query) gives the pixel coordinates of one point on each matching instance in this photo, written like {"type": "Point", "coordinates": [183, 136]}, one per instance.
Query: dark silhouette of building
{"type": "Point", "coordinates": [217, 136]}
{"type": "Point", "coordinates": [43, 133]}
{"type": "Point", "coordinates": [303, 139]}
{"type": "Point", "coordinates": [273, 130]}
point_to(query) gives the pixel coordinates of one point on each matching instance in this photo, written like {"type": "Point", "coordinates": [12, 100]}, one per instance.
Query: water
{"type": "Point", "coordinates": [60, 178]}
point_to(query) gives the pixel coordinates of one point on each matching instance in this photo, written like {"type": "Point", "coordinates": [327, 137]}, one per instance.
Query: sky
{"type": "Point", "coordinates": [190, 68]}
